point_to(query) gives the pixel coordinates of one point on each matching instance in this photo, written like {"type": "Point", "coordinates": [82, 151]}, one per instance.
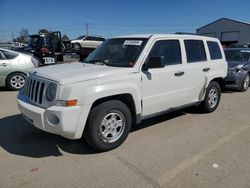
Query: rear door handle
{"type": "Point", "coordinates": [4, 64]}
{"type": "Point", "coordinates": [206, 69]}
{"type": "Point", "coordinates": [179, 73]}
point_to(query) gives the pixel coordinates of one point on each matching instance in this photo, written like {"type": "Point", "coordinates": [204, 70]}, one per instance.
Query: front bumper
{"type": "Point", "coordinates": [234, 79]}
{"type": "Point", "coordinates": [59, 120]}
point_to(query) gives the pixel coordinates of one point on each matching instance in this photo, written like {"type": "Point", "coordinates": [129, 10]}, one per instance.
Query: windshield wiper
{"type": "Point", "coordinates": [97, 62]}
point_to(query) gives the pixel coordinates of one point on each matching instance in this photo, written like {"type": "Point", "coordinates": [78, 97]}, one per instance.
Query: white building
{"type": "Point", "coordinates": [228, 31]}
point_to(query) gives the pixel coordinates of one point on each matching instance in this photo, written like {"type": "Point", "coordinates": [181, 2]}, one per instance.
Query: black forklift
{"type": "Point", "coordinates": [46, 47]}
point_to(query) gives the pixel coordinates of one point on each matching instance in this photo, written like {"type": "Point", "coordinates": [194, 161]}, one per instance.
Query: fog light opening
{"type": "Point", "coordinates": [52, 119]}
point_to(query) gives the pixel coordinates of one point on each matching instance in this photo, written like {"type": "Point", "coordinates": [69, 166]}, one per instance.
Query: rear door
{"type": "Point", "coordinates": [197, 68]}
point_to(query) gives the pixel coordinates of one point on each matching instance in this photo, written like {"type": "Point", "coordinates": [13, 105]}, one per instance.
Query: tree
{"type": "Point", "coordinates": [43, 31]}
{"type": "Point", "coordinates": [65, 37]}
{"type": "Point", "coordinates": [23, 36]}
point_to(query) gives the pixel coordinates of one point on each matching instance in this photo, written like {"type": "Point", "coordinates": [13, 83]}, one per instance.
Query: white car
{"type": "Point", "coordinates": [14, 67]}
{"type": "Point", "coordinates": [124, 81]}
{"type": "Point", "coordinates": [89, 42]}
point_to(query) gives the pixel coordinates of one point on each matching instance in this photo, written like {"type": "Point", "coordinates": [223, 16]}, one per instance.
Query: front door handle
{"type": "Point", "coordinates": [206, 69]}
{"type": "Point", "coordinates": [179, 73]}
{"type": "Point", "coordinates": [4, 64]}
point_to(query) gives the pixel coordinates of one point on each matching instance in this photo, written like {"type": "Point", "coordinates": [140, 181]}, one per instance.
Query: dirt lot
{"type": "Point", "coordinates": [181, 149]}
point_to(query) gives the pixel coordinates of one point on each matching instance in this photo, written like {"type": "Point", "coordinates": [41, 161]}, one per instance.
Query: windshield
{"type": "Point", "coordinates": [46, 41]}
{"type": "Point", "coordinates": [237, 55]}
{"type": "Point", "coordinates": [122, 52]}
{"type": "Point", "coordinates": [79, 38]}
{"type": "Point", "coordinates": [32, 41]}
{"type": "Point", "coordinates": [41, 41]}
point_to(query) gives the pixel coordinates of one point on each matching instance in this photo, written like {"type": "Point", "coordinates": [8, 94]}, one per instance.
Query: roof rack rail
{"type": "Point", "coordinates": [185, 33]}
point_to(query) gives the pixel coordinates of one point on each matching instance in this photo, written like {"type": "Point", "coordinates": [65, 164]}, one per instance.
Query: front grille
{"type": "Point", "coordinates": [35, 91]}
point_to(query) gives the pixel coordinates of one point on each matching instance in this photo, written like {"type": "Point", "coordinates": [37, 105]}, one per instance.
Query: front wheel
{"type": "Point", "coordinates": [212, 98]}
{"type": "Point", "coordinates": [77, 47]}
{"type": "Point", "coordinates": [108, 125]}
{"type": "Point", "coordinates": [15, 81]}
{"type": "Point", "coordinates": [245, 83]}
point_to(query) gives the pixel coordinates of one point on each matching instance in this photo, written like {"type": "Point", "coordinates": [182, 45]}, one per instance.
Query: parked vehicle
{"type": "Point", "coordinates": [14, 67]}
{"type": "Point", "coordinates": [237, 45]}
{"type": "Point", "coordinates": [46, 47]}
{"type": "Point", "coordinates": [87, 42]}
{"type": "Point", "coordinates": [124, 81]}
{"type": "Point", "coordinates": [238, 75]}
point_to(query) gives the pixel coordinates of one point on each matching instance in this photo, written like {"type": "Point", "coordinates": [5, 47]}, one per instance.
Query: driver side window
{"type": "Point", "coordinates": [168, 51]}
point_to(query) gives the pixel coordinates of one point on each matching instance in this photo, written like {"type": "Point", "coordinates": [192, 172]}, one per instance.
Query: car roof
{"type": "Point", "coordinates": [4, 49]}
{"type": "Point", "coordinates": [13, 51]}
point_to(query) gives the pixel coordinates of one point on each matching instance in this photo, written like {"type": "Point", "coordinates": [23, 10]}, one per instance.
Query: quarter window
{"type": "Point", "coordinates": [214, 50]}
{"type": "Point", "coordinates": [168, 50]}
{"type": "Point", "coordinates": [195, 51]}
{"type": "Point", "coordinates": [1, 55]}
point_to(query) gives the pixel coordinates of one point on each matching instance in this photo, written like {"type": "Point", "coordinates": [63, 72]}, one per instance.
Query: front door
{"type": "Point", "coordinates": [164, 88]}
{"type": "Point", "coordinates": [4, 66]}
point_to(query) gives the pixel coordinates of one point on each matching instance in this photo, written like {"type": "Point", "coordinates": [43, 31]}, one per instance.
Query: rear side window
{"type": "Point", "coordinates": [168, 50]}
{"type": "Point", "coordinates": [214, 50]}
{"type": "Point", "coordinates": [195, 51]}
{"type": "Point", "coordinates": [9, 55]}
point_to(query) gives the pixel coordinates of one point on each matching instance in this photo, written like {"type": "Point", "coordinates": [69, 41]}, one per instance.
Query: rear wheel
{"type": "Point", "coordinates": [15, 81]}
{"type": "Point", "coordinates": [245, 83]}
{"type": "Point", "coordinates": [108, 125]}
{"type": "Point", "coordinates": [212, 98]}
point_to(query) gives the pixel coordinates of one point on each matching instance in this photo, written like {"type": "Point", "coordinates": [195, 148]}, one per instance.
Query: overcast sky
{"type": "Point", "coordinates": [114, 17]}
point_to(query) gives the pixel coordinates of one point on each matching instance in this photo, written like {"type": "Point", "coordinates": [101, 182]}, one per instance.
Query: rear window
{"type": "Point", "coordinates": [214, 50]}
{"type": "Point", "coordinates": [9, 55]}
{"type": "Point", "coordinates": [195, 51]}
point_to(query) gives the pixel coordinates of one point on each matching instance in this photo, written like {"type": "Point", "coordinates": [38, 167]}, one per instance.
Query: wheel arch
{"type": "Point", "coordinates": [221, 81]}
{"type": "Point", "coordinates": [126, 98]}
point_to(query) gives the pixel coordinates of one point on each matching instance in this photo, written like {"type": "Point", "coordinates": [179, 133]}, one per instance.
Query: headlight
{"type": "Point", "coordinates": [239, 66]}
{"type": "Point", "coordinates": [51, 92]}
{"type": "Point", "coordinates": [237, 69]}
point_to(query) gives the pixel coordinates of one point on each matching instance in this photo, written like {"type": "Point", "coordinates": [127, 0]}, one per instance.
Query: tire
{"type": "Point", "coordinates": [212, 98]}
{"type": "Point", "coordinates": [15, 81]}
{"type": "Point", "coordinates": [59, 58]}
{"type": "Point", "coordinates": [108, 125]}
{"type": "Point", "coordinates": [245, 83]}
{"type": "Point", "coordinates": [77, 47]}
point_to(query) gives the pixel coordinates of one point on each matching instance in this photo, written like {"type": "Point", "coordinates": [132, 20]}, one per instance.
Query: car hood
{"type": "Point", "coordinates": [233, 64]}
{"type": "Point", "coordinates": [75, 72]}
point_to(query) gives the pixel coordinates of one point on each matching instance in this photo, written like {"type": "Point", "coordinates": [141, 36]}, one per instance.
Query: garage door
{"type": "Point", "coordinates": [229, 36]}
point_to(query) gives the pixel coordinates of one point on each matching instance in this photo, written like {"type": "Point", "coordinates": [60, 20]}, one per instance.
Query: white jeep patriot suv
{"type": "Point", "coordinates": [125, 80]}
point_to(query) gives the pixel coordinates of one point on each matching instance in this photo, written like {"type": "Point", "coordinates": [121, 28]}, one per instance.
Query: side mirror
{"type": "Point", "coordinates": [155, 62]}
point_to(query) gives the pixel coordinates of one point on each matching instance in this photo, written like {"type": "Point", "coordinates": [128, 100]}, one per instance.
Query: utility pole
{"type": "Point", "coordinates": [87, 28]}
{"type": "Point", "coordinates": [12, 37]}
